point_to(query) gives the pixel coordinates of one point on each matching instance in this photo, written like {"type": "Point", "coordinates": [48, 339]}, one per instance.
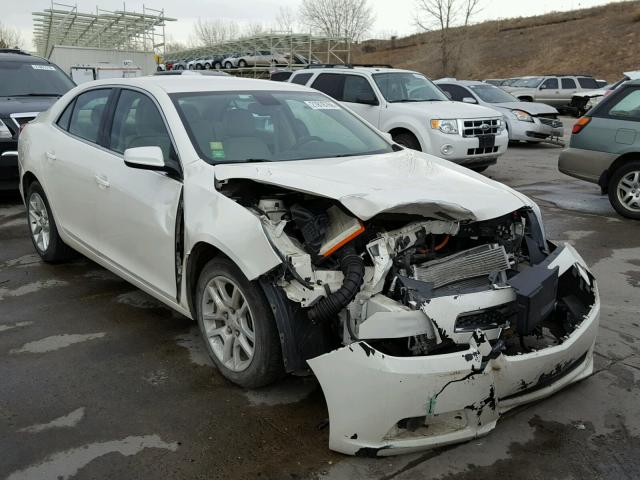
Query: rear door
{"type": "Point", "coordinates": [568, 88]}
{"type": "Point", "coordinates": [71, 164]}
{"type": "Point", "coordinates": [138, 208]}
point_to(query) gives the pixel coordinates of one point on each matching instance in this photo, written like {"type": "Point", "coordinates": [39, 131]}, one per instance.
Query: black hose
{"type": "Point", "coordinates": [352, 267]}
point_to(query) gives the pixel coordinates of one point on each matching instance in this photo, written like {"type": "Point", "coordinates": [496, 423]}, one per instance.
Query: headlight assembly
{"type": "Point", "coordinates": [522, 115]}
{"type": "Point", "coordinates": [445, 126]}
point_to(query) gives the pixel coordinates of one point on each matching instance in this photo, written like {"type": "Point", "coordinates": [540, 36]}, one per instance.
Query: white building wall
{"type": "Point", "coordinates": [67, 56]}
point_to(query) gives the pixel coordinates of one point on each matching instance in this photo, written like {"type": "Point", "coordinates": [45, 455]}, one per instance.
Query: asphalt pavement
{"type": "Point", "coordinates": [98, 380]}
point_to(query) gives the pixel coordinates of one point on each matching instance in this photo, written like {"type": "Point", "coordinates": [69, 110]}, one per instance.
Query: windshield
{"type": "Point", "coordinates": [227, 127]}
{"type": "Point", "coordinates": [491, 94]}
{"type": "Point", "coordinates": [41, 79]}
{"type": "Point", "coordinates": [532, 82]}
{"type": "Point", "coordinates": [407, 87]}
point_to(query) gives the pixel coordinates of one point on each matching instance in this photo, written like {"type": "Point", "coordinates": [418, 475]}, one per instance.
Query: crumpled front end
{"type": "Point", "coordinates": [380, 404]}
{"type": "Point", "coordinates": [421, 326]}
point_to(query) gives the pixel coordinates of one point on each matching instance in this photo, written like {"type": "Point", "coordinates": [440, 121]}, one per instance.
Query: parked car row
{"type": "Point", "coordinates": [261, 58]}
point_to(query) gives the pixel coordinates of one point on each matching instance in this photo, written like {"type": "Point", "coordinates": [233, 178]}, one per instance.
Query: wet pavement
{"type": "Point", "coordinates": [98, 380]}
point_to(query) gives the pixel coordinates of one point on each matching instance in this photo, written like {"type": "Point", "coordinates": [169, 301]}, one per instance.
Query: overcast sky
{"type": "Point", "coordinates": [393, 16]}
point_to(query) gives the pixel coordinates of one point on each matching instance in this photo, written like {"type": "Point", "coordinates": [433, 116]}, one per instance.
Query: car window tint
{"type": "Point", "coordinates": [330, 83]}
{"type": "Point", "coordinates": [586, 82]}
{"type": "Point", "coordinates": [356, 89]}
{"type": "Point", "coordinates": [628, 107]}
{"type": "Point", "coordinates": [457, 92]}
{"type": "Point", "coordinates": [550, 83]}
{"type": "Point", "coordinates": [568, 83]}
{"type": "Point", "coordinates": [301, 78]}
{"type": "Point", "coordinates": [63, 121]}
{"type": "Point", "coordinates": [138, 123]}
{"type": "Point", "coordinates": [87, 114]}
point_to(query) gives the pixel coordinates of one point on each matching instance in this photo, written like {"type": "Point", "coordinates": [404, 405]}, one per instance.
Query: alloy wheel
{"type": "Point", "coordinates": [39, 222]}
{"type": "Point", "coordinates": [228, 323]}
{"type": "Point", "coordinates": [628, 191]}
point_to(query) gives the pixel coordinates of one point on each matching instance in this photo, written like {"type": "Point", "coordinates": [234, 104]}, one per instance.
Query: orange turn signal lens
{"type": "Point", "coordinates": [580, 124]}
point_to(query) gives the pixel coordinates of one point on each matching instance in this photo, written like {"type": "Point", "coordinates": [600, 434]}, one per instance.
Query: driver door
{"type": "Point", "coordinates": [137, 209]}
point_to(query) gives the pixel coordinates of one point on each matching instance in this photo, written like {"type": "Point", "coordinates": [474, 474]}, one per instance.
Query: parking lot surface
{"type": "Point", "coordinates": [99, 380]}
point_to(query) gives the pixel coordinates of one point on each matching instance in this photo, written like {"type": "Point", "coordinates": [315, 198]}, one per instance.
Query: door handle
{"type": "Point", "coordinates": [102, 181]}
{"type": "Point", "coordinates": [50, 156]}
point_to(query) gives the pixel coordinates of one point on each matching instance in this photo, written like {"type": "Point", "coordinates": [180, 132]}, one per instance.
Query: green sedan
{"type": "Point", "coordinates": [605, 149]}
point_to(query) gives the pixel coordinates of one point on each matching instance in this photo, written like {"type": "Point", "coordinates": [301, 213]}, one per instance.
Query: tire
{"type": "Point", "coordinates": [217, 66]}
{"type": "Point", "coordinates": [624, 184]}
{"type": "Point", "coordinates": [249, 370]}
{"type": "Point", "coordinates": [190, 67]}
{"type": "Point", "coordinates": [228, 65]}
{"type": "Point", "coordinates": [242, 64]}
{"type": "Point", "coordinates": [207, 66]}
{"type": "Point", "coordinates": [43, 229]}
{"type": "Point", "coordinates": [408, 140]}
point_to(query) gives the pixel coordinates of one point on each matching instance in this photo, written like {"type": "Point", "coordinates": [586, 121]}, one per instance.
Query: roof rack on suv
{"type": "Point", "coordinates": [568, 75]}
{"type": "Point", "coordinates": [349, 65]}
{"type": "Point", "coordinates": [13, 50]}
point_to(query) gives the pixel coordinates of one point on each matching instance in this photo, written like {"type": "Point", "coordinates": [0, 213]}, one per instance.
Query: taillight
{"type": "Point", "coordinates": [580, 124]}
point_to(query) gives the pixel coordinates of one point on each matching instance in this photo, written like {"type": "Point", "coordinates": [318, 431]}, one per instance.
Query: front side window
{"type": "Point", "coordinates": [491, 94]}
{"type": "Point", "coordinates": [568, 83]}
{"type": "Point", "coordinates": [227, 127]}
{"type": "Point", "coordinates": [138, 123]}
{"type": "Point", "coordinates": [550, 84]}
{"type": "Point", "coordinates": [357, 90]}
{"type": "Point", "coordinates": [407, 87]}
{"type": "Point", "coordinates": [22, 79]}
{"type": "Point", "coordinates": [628, 107]}
{"type": "Point", "coordinates": [87, 114]}
{"type": "Point", "coordinates": [456, 91]}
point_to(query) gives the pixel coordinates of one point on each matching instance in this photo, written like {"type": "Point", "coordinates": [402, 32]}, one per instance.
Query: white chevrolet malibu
{"type": "Point", "coordinates": [424, 296]}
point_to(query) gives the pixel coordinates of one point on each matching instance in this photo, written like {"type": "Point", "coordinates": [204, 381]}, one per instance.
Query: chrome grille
{"type": "Point", "coordinates": [481, 126]}
{"type": "Point", "coordinates": [475, 262]}
{"type": "Point", "coordinates": [552, 122]}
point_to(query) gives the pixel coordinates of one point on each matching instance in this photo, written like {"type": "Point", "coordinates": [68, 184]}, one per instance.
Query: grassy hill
{"type": "Point", "coordinates": [602, 41]}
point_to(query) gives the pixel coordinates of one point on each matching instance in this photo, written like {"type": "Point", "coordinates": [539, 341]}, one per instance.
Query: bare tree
{"type": "Point", "coordinates": [286, 20]}
{"type": "Point", "coordinates": [10, 37]}
{"type": "Point", "coordinates": [212, 32]}
{"type": "Point", "coordinates": [444, 16]}
{"type": "Point", "coordinates": [252, 29]}
{"type": "Point", "coordinates": [338, 18]}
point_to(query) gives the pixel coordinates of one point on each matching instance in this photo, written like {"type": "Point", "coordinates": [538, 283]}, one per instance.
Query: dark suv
{"type": "Point", "coordinates": [28, 86]}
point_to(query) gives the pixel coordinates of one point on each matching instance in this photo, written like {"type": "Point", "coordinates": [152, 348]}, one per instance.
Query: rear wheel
{"type": "Point", "coordinates": [228, 65]}
{"type": "Point", "coordinates": [624, 190]}
{"type": "Point", "coordinates": [242, 64]}
{"type": "Point", "coordinates": [207, 66]}
{"type": "Point", "coordinates": [408, 140]}
{"type": "Point", "coordinates": [237, 325]}
{"type": "Point", "coordinates": [43, 228]}
{"type": "Point", "coordinates": [217, 65]}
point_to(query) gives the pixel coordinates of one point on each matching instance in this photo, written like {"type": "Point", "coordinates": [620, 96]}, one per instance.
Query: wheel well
{"type": "Point", "coordinates": [400, 130]}
{"type": "Point", "coordinates": [617, 163]}
{"type": "Point", "coordinates": [526, 98]}
{"type": "Point", "coordinates": [27, 179]}
{"type": "Point", "coordinates": [199, 256]}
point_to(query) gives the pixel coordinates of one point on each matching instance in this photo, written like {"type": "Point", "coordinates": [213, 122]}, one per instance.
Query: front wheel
{"type": "Point", "coordinates": [217, 66]}
{"type": "Point", "coordinates": [624, 190]}
{"type": "Point", "coordinates": [237, 326]}
{"type": "Point", "coordinates": [242, 64]}
{"type": "Point", "coordinates": [43, 228]}
{"type": "Point", "coordinates": [228, 65]}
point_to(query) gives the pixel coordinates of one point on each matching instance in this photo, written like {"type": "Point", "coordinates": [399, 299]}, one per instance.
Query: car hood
{"type": "Point", "coordinates": [9, 105]}
{"type": "Point", "coordinates": [406, 182]}
{"type": "Point", "coordinates": [446, 110]}
{"type": "Point", "coordinates": [592, 93]}
{"type": "Point", "coordinates": [532, 108]}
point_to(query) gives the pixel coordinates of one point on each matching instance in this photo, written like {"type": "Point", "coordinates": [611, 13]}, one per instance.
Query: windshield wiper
{"type": "Point", "coordinates": [411, 100]}
{"type": "Point", "coordinates": [249, 160]}
{"type": "Point", "coordinates": [39, 95]}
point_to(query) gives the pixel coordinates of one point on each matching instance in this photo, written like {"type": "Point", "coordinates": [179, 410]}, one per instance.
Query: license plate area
{"type": "Point", "coordinates": [486, 141]}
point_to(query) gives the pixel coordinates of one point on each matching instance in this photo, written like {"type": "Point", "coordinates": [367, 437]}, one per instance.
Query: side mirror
{"type": "Point", "coordinates": [367, 100]}
{"type": "Point", "coordinates": [469, 100]}
{"type": "Point", "coordinates": [543, 87]}
{"type": "Point", "coordinates": [145, 158]}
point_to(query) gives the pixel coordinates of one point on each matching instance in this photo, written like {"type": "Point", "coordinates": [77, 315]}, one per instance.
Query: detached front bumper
{"type": "Point", "coordinates": [535, 131]}
{"type": "Point", "coordinates": [383, 405]}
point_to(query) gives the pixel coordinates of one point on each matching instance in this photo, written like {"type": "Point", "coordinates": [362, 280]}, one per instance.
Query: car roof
{"type": "Point", "coordinates": [462, 82]}
{"type": "Point", "coordinates": [22, 57]}
{"type": "Point", "coordinates": [348, 69]}
{"type": "Point", "coordinates": [200, 83]}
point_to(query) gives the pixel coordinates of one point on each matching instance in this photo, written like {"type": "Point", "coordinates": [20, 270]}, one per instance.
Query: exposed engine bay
{"type": "Point", "coordinates": [413, 286]}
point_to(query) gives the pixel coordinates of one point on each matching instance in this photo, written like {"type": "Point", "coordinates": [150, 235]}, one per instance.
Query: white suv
{"type": "Point", "coordinates": [414, 111]}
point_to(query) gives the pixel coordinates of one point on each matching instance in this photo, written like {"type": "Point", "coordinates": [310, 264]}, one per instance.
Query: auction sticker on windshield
{"type": "Point", "coordinates": [43, 67]}
{"type": "Point", "coordinates": [322, 105]}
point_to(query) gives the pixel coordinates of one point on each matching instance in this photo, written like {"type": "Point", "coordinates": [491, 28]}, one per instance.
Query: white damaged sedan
{"type": "Point", "coordinates": [424, 296]}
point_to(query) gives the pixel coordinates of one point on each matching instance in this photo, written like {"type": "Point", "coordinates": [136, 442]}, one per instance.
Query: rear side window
{"type": "Point", "coordinates": [550, 83]}
{"type": "Point", "coordinates": [628, 106]}
{"type": "Point", "coordinates": [330, 83]}
{"type": "Point", "coordinates": [568, 83]}
{"type": "Point", "coordinates": [87, 114]}
{"type": "Point", "coordinates": [63, 121]}
{"type": "Point", "coordinates": [586, 82]}
{"type": "Point", "coordinates": [301, 78]}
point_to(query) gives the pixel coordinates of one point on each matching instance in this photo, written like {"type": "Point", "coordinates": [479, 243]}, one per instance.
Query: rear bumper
{"type": "Point", "coordinates": [382, 405]}
{"type": "Point", "coordinates": [587, 165]}
{"type": "Point", "coordinates": [9, 174]}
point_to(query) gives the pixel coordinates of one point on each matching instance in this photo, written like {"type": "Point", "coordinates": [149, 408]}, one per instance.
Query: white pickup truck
{"type": "Point", "coordinates": [414, 111]}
